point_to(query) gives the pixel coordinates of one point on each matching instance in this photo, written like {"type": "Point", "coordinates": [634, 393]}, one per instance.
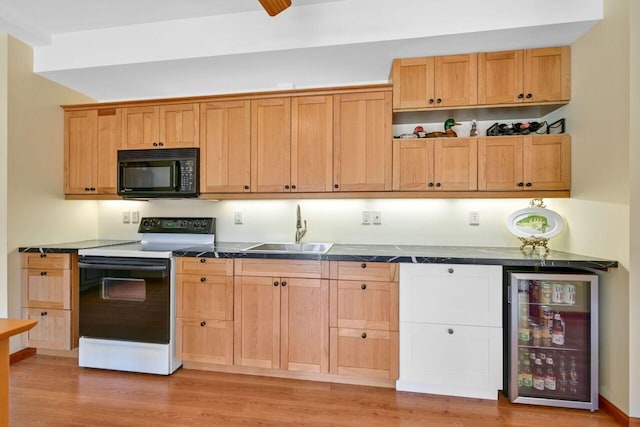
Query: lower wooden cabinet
{"type": "Point", "coordinates": [49, 295]}
{"type": "Point", "coordinates": [281, 321]}
{"type": "Point", "coordinates": [204, 308]}
{"type": "Point", "coordinates": [364, 319]}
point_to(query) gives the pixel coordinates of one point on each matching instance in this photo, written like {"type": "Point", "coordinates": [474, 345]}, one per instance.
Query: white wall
{"type": "Point", "coordinates": [4, 297]}
{"type": "Point", "coordinates": [36, 211]}
{"type": "Point", "coordinates": [404, 221]}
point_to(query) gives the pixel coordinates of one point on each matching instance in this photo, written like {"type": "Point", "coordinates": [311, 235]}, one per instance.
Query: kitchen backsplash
{"type": "Point", "coordinates": [404, 221]}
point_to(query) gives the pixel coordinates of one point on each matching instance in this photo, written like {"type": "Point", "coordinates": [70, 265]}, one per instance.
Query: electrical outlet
{"type": "Point", "coordinates": [135, 217]}
{"type": "Point", "coordinates": [377, 217]}
{"type": "Point", "coordinates": [237, 217]}
{"type": "Point", "coordinates": [474, 218]}
{"type": "Point", "coordinates": [366, 218]}
{"type": "Point", "coordinates": [126, 218]}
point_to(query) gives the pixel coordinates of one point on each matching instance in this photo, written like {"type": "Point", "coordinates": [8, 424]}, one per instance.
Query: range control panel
{"type": "Point", "coordinates": [182, 225]}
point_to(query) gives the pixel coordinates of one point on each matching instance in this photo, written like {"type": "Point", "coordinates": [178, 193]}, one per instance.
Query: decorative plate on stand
{"type": "Point", "coordinates": [535, 225]}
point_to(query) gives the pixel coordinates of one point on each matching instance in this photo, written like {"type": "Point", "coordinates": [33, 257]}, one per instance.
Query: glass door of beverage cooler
{"type": "Point", "coordinates": [554, 340]}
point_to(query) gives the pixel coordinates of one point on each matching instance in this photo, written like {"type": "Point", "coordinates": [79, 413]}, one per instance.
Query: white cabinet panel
{"type": "Point", "coordinates": [451, 294]}
{"type": "Point", "coordinates": [450, 359]}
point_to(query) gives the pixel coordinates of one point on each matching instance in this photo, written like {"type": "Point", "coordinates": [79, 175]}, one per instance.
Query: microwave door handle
{"type": "Point", "coordinates": [176, 173]}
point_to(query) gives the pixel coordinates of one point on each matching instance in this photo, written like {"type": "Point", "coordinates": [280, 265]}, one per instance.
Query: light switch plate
{"type": "Point", "coordinates": [135, 217]}
{"type": "Point", "coordinates": [126, 217]}
{"type": "Point", "coordinates": [377, 217]}
{"type": "Point", "coordinates": [366, 218]}
{"type": "Point", "coordinates": [237, 217]}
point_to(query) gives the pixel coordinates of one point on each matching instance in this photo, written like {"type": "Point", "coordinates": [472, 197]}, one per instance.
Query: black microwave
{"type": "Point", "coordinates": [158, 173]}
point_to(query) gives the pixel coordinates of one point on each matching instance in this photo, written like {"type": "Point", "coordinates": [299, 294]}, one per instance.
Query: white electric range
{"type": "Point", "coordinates": [127, 297]}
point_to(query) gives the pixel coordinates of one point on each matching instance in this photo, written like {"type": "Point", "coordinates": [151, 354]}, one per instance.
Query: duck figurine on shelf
{"type": "Point", "coordinates": [448, 132]}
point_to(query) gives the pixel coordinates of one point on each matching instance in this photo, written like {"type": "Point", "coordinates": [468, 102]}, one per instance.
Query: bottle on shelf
{"type": "Point", "coordinates": [527, 377]}
{"type": "Point", "coordinates": [573, 376]}
{"type": "Point", "coordinates": [558, 332]}
{"type": "Point", "coordinates": [538, 375]}
{"type": "Point", "coordinates": [562, 376]}
{"type": "Point", "coordinates": [550, 379]}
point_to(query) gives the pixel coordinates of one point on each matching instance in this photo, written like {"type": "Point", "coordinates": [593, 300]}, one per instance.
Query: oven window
{"type": "Point", "coordinates": [124, 289]}
{"type": "Point", "coordinates": [126, 300]}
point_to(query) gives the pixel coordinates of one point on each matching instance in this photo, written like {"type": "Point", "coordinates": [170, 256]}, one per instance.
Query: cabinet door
{"type": "Point", "coordinates": [257, 322]}
{"type": "Point", "coordinates": [547, 74]}
{"type": "Point", "coordinates": [109, 141]}
{"type": "Point", "coordinates": [80, 157]}
{"type": "Point", "coordinates": [413, 83]}
{"type": "Point", "coordinates": [271, 145]}
{"type": "Point", "coordinates": [311, 143]}
{"type": "Point", "coordinates": [547, 164]}
{"type": "Point", "coordinates": [179, 126]}
{"type": "Point", "coordinates": [364, 304]}
{"type": "Point", "coordinates": [362, 142]}
{"type": "Point", "coordinates": [413, 165]}
{"type": "Point", "coordinates": [204, 340]}
{"type": "Point", "coordinates": [500, 164]}
{"type": "Point", "coordinates": [304, 325]}
{"type": "Point", "coordinates": [500, 77]}
{"type": "Point", "coordinates": [456, 164]}
{"type": "Point", "coordinates": [456, 80]}
{"type": "Point", "coordinates": [203, 296]}
{"type": "Point", "coordinates": [451, 294]}
{"type": "Point", "coordinates": [454, 360]}
{"type": "Point", "coordinates": [52, 331]}
{"type": "Point", "coordinates": [46, 288]}
{"type": "Point", "coordinates": [364, 353]}
{"type": "Point", "coordinates": [140, 127]}
{"type": "Point", "coordinates": [225, 147]}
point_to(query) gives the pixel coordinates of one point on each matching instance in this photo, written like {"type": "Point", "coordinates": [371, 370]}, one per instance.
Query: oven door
{"type": "Point", "coordinates": [125, 299]}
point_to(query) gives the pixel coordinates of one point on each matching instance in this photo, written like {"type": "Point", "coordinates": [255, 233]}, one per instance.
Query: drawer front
{"type": "Point", "coordinates": [203, 296]}
{"type": "Point", "coordinates": [364, 353]}
{"type": "Point", "coordinates": [53, 330]}
{"type": "Point", "coordinates": [451, 294]}
{"type": "Point", "coordinates": [208, 266]}
{"type": "Point", "coordinates": [373, 271]}
{"type": "Point", "coordinates": [204, 340]}
{"type": "Point", "coordinates": [451, 355]}
{"type": "Point", "coordinates": [46, 288]}
{"type": "Point", "coordinates": [46, 261]}
{"type": "Point", "coordinates": [364, 304]}
{"type": "Point", "coordinates": [278, 268]}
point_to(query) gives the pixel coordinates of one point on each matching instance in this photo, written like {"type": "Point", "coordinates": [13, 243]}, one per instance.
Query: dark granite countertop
{"type": "Point", "coordinates": [512, 257]}
{"type": "Point", "coordinates": [414, 254]}
{"type": "Point", "coordinates": [72, 247]}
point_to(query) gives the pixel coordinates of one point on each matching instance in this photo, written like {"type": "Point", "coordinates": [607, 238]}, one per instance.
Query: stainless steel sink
{"type": "Point", "coordinates": [294, 248]}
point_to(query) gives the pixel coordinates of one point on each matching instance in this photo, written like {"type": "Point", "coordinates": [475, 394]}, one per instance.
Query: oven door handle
{"type": "Point", "coordinates": [122, 267]}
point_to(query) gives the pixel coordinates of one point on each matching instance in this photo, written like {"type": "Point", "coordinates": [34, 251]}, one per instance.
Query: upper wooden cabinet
{"type": "Point", "coordinates": [225, 146]}
{"type": "Point", "coordinates": [163, 126]}
{"type": "Point", "coordinates": [524, 76]}
{"type": "Point", "coordinates": [438, 164]}
{"type": "Point", "coordinates": [362, 141]}
{"type": "Point", "coordinates": [91, 142]}
{"type": "Point", "coordinates": [526, 163]}
{"type": "Point", "coordinates": [311, 143]}
{"type": "Point", "coordinates": [441, 81]}
{"type": "Point", "coordinates": [271, 145]}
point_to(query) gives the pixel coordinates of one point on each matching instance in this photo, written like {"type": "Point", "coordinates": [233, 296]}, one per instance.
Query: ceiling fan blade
{"type": "Point", "coordinates": [274, 7]}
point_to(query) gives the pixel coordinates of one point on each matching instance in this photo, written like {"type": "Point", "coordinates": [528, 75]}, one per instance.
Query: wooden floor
{"type": "Point", "coordinates": [54, 391]}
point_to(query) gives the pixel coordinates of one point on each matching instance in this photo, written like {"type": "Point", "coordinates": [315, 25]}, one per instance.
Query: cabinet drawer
{"type": "Point", "coordinates": [364, 353]}
{"type": "Point", "coordinates": [204, 340]}
{"type": "Point", "coordinates": [204, 296]}
{"type": "Point", "coordinates": [374, 271]}
{"type": "Point", "coordinates": [451, 358]}
{"type": "Point", "coordinates": [451, 294]}
{"type": "Point", "coordinates": [364, 304]}
{"type": "Point", "coordinates": [46, 261]}
{"type": "Point", "coordinates": [278, 268]}
{"type": "Point", "coordinates": [208, 266]}
{"type": "Point", "coordinates": [53, 330]}
{"type": "Point", "coordinates": [46, 288]}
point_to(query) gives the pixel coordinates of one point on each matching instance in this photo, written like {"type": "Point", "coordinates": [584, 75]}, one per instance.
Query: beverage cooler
{"type": "Point", "coordinates": [553, 339]}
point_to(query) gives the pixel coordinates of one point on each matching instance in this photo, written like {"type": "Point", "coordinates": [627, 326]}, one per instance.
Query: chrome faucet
{"type": "Point", "coordinates": [299, 230]}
